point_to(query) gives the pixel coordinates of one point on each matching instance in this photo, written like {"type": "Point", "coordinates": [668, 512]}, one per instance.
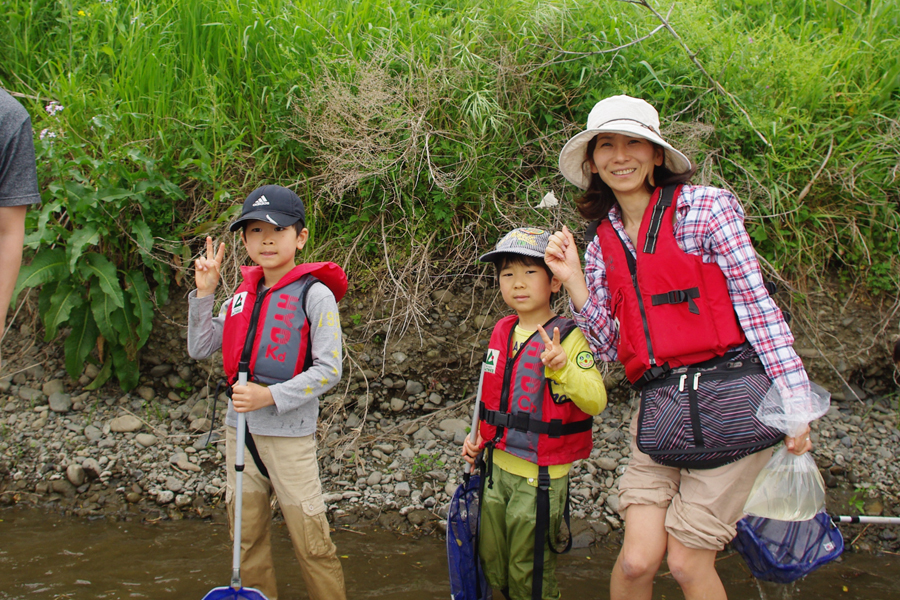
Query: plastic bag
{"type": "Point", "coordinates": [788, 410]}
{"type": "Point", "coordinates": [789, 488]}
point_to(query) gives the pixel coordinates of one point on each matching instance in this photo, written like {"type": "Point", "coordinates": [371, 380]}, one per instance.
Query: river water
{"type": "Point", "coordinates": [44, 555]}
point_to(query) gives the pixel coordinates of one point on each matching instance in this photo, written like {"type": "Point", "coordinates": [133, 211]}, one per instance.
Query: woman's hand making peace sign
{"type": "Point", "coordinates": [206, 270]}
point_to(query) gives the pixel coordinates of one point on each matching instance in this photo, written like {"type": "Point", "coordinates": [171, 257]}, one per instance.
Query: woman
{"type": "Point", "coordinates": [675, 293]}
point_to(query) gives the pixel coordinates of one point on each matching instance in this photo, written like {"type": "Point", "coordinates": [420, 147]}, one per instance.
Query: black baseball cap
{"type": "Point", "coordinates": [273, 204]}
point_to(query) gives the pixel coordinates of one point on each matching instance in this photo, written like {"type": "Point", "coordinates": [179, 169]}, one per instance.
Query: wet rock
{"type": "Point", "coordinates": [92, 468]}
{"type": "Point", "coordinates": [75, 474]}
{"type": "Point", "coordinates": [125, 424]}
{"type": "Point", "coordinates": [419, 517]}
{"type": "Point", "coordinates": [62, 486]}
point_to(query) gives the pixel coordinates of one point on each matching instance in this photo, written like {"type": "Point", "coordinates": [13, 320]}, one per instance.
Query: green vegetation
{"type": "Point", "coordinates": [415, 131]}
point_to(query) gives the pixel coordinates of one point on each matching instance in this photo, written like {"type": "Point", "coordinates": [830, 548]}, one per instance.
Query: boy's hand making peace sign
{"type": "Point", "coordinates": [553, 356]}
{"type": "Point", "coordinates": [206, 270]}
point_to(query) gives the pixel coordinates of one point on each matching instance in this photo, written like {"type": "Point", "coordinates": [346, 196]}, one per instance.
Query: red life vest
{"type": "Point", "coordinates": [280, 344]}
{"type": "Point", "coordinates": [518, 411]}
{"type": "Point", "coordinates": [671, 307]}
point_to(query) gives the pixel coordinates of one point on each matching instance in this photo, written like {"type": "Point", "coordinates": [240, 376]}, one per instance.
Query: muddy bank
{"type": "Point", "coordinates": [390, 432]}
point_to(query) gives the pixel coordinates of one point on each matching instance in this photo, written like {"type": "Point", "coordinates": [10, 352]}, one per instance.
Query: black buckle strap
{"type": "Point", "coordinates": [650, 374]}
{"type": "Point", "coordinates": [522, 421]}
{"type": "Point", "coordinates": [677, 297]}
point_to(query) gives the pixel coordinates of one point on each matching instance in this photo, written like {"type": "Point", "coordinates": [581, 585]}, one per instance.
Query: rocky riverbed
{"type": "Point", "coordinates": [390, 433]}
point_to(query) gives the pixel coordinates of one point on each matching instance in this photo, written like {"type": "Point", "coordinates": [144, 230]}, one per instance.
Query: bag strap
{"type": "Point", "coordinates": [244, 365]}
{"type": "Point", "coordinates": [542, 531]}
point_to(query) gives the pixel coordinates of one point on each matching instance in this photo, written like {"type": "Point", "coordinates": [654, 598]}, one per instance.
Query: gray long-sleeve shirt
{"type": "Point", "coordinates": [296, 408]}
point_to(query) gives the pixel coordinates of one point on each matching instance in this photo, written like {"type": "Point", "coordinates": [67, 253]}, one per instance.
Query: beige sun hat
{"type": "Point", "coordinates": [617, 114]}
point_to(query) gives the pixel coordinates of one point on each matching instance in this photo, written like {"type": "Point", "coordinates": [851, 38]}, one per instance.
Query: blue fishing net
{"type": "Point", "coordinates": [228, 593]}
{"type": "Point", "coordinates": [467, 580]}
{"type": "Point", "coordinates": [784, 551]}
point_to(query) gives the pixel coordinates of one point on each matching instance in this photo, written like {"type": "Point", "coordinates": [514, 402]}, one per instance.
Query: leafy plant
{"type": "Point", "coordinates": [94, 242]}
{"type": "Point", "coordinates": [426, 462]}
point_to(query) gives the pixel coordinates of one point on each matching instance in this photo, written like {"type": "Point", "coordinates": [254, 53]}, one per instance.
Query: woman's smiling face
{"type": "Point", "coordinates": [624, 163]}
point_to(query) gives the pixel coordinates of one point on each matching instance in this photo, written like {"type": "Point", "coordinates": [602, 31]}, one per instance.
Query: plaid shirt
{"type": "Point", "coordinates": [710, 224]}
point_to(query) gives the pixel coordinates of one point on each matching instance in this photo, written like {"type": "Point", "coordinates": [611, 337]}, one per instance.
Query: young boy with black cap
{"type": "Point", "coordinates": [538, 397]}
{"type": "Point", "coordinates": [282, 327]}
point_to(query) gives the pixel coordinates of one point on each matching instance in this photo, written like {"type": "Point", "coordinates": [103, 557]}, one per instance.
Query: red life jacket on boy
{"type": "Point", "coordinates": [672, 308]}
{"type": "Point", "coordinates": [280, 330]}
{"type": "Point", "coordinates": [518, 412]}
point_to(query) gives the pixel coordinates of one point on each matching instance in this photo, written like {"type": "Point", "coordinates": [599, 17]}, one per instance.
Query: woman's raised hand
{"type": "Point", "coordinates": [206, 270]}
{"type": "Point", "coordinates": [562, 257]}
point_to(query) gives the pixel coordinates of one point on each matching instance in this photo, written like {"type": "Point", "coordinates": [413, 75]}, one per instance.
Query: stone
{"type": "Point", "coordinates": [387, 449]}
{"type": "Point", "coordinates": [352, 421]}
{"type": "Point", "coordinates": [92, 433]}
{"type": "Point", "coordinates": [374, 478]}
{"type": "Point", "coordinates": [200, 425]}
{"type": "Point", "coordinates": [91, 468]}
{"type": "Point", "coordinates": [606, 463]}
{"type": "Point", "coordinates": [145, 439]}
{"type": "Point", "coordinates": [125, 424]}
{"type": "Point", "coordinates": [419, 517]}
{"type": "Point", "coordinates": [165, 497]}
{"type": "Point", "coordinates": [60, 402]}
{"type": "Point", "coordinates": [397, 404]}
{"type": "Point", "coordinates": [442, 296]}
{"type": "Point", "coordinates": [174, 484]}
{"type": "Point", "coordinates": [62, 486]}
{"type": "Point", "coordinates": [132, 497]}
{"type": "Point", "coordinates": [160, 371]}
{"type": "Point", "coordinates": [199, 410]}
{"type": "Point", "coordinates": [423, 434]}
{"type": "Point", "coordinates": [53, 386]}
{"type": "Point", "coordinates": [414, 387]}
{"type": "Point", "coordinates": [454, 425]}
{"type": "Point", "coordinates": [613, 502]}
{"type": "Point", "coordinates": [146, 392]}
{"type": "Point", "coordinates": [75, 474]}
{"type": "Point", "coordinates": [399, 357]}
{"type": "Point", "coordinates": [435, 398]}
{"type": "Point", "coordinates": [402, 489]}
{"type": "Point", "coordinates": [30, 395]}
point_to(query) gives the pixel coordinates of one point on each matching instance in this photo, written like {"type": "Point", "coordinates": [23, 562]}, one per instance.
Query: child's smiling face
{"type": "Point", "coordinates": [273, 248]}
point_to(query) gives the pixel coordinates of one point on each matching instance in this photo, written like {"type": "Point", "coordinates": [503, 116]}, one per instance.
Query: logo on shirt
{"type": "Point", "coordinates": [585, 359]}
{"type": "Point", "coordinates": [237, 304]}
{"type": "Point", "coordinates": [261, 201]}
{"type": "Point", "coordinates": [490, 360]}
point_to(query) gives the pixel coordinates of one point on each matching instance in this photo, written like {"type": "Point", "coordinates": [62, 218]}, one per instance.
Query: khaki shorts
{"type": "Point", "coordinates": [703, 505]}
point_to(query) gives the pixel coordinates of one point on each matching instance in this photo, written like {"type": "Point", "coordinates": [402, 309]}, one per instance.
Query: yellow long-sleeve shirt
{"type": "Point", "coordinates": [578, 380]}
